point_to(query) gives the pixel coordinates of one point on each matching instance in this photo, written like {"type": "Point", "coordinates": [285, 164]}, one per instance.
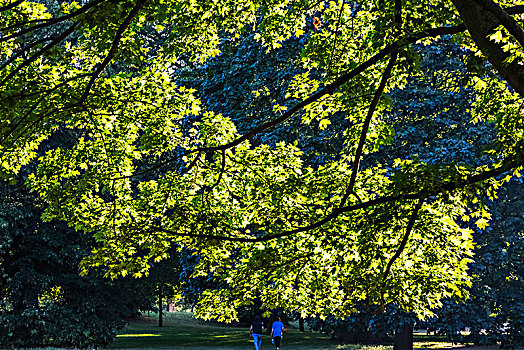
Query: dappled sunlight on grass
{"type": "Point", "coordinates": [362, 347]}
{"type": "Point", "coordinates": [182, 331]}
{"type": "Point", "coordinates": [435, 345]}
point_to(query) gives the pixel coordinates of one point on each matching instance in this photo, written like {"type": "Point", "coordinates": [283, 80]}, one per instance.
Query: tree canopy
{"type": "Point", "coordinates": [147, 167]}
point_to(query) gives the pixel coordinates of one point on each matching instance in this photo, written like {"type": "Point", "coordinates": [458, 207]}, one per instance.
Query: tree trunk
{"type": "Point", "coordinates": [301, 324]}
{"type": "Point", "coordinates": [160, 320]}
{"type": "Point", "coordinates": [404, 338]}
{"type": "Point", "coordinates": [480, 19]}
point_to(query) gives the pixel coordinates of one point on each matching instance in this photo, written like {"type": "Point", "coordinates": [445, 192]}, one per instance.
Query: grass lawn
{"type": "Point", "coordinates": [182, 331]}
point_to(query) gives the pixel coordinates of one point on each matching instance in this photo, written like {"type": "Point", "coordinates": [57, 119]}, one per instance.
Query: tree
{"type": "Point", "coordinates": [494, 311]}
{"type": "Point", "coordinates": [44, 300]}
{"type": "Point", "coordinates": [311, 238]}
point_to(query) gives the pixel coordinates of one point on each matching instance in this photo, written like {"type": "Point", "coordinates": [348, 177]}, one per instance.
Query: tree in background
{"type": "Point", "coordinates": [494, 312]}
{"type": "Point", "coordinates": [44, 300]}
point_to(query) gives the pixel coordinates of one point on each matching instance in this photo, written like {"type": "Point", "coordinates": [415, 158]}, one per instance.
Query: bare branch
{"type": "Point", "coordinates": [365, 126]}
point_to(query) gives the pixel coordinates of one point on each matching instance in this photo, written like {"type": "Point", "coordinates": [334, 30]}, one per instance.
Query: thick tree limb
{"type": "Point", "coordinates": [447, 187]}
{"type": "Point", "coordinates": [505, 19]}
{"type": "Point", "coordinates": [480, 23]}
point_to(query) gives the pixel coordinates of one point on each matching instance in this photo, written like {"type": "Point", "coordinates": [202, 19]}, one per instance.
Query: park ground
{"type": "Point", "coordinates": [182, 331]}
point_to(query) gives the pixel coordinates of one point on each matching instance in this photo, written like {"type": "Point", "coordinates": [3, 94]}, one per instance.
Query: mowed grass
{"type": "Point", "coordinates": [182, 331]}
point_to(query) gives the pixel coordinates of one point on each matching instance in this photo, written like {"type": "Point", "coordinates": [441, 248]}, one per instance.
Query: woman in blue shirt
{"type": "Point", "coordinates": [276, 332]}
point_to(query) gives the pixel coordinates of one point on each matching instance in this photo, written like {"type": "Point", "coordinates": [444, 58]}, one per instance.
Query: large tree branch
{"type": "Point", "coordinates": [326, 90]}
{"type": "Point", "coordinates": [338, 82]}
{"type": "Point", "coordinates": [505, 19]}
{"type": "Point", "coordinates": [447, 187]}
{"type": "Point", "coordinates": [480, 22]}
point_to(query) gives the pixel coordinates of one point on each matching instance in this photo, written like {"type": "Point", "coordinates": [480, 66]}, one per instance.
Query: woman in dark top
{"type": "Point", "coordinates": [256, 332]}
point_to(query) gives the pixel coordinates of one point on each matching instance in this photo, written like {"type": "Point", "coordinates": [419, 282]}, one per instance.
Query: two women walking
{"type": "Point", "coordinates": [257, 327]}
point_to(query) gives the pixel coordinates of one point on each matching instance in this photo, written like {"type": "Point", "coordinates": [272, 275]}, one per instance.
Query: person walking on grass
{"type": "Point", "coordinates": [255, 331]}
{"type": "Point", "coordinates": [276, 332]}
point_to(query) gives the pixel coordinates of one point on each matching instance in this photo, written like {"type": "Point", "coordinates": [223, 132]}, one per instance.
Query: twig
{"type": "Point", "coordinates": [114, 47]}
{"type": "Point", "coordinates": [402, 245]}
{"type": "Point", "coordinates": [46, 48]}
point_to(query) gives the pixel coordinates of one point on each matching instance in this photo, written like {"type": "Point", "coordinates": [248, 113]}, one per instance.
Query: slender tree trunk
{"type": "Point", "coordinates": [301, 324]}
{"type": "Point", "coordinates": [404, 338]}
{"type": "Point", "coordinates": [160, 320]}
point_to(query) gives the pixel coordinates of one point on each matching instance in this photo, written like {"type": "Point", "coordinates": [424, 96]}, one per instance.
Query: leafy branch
{"type": "Point", "coordinates": [335, 213]}
{"type": "Point", "coordinates": [45, 22]}
{"type": "Point", "coordinates": [403, 242]}
{"type": "Point", "coordinates": [114, 47]}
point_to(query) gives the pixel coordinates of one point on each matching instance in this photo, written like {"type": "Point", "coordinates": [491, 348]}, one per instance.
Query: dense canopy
{"type": "Point", "coordinates": [90, 100]}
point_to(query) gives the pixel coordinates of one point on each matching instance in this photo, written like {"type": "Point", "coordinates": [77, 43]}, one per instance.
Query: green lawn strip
{"type": "Point", "coordinates": [192, 336]}
{"type": "Point", "coordinates": [182, 331]}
